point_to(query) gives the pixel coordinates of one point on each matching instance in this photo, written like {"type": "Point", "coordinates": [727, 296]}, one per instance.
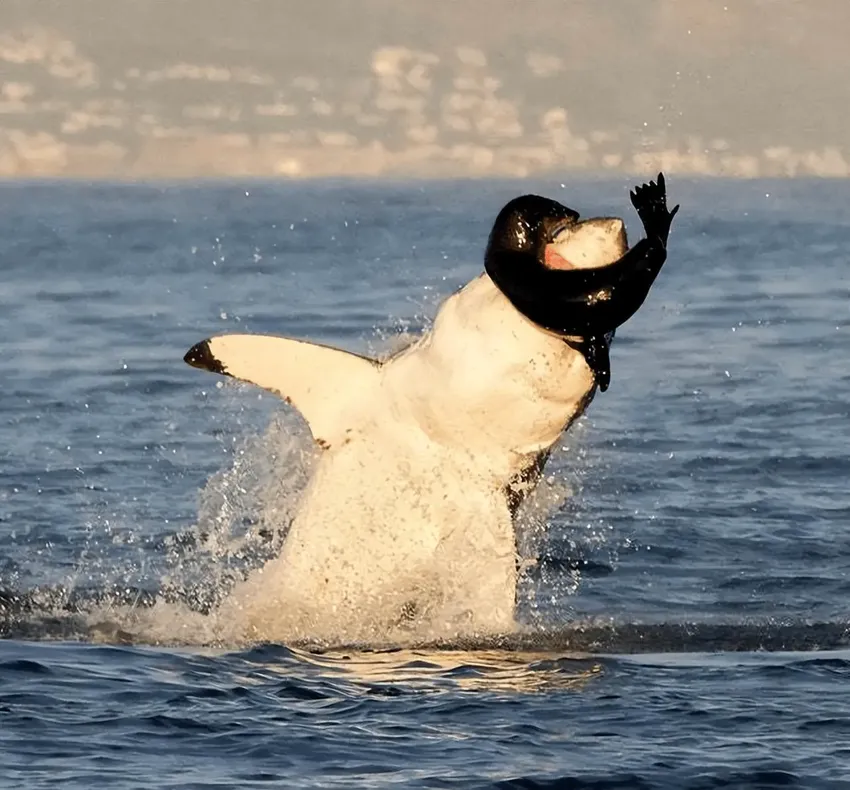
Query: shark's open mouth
{"type": "Point", "coordinates": [554, 260]}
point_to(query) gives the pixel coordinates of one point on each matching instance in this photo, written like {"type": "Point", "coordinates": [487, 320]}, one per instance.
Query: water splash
{"type": "Point", "coordinates": [179, 594]}
{"type": "Point", "coordinates": [174, 586]}
{"type": "Point", "coordinates": [244, 514]}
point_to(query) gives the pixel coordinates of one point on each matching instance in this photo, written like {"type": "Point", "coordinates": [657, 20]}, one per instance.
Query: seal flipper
{"type": "Point", "coordinates": [320, 381]}
{"type": "Point", "coordinates": [596, 352]}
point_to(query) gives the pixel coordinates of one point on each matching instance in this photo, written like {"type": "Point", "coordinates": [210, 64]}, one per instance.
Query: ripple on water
{"type": "Point", "coordinates": [704, 534]}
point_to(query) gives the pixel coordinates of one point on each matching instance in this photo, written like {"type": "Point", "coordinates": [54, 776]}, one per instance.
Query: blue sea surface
{"type": "Point", "coordinates": [687, 624]}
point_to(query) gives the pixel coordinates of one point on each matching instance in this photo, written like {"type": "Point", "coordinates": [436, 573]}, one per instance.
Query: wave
{"type": "Point", "coordinates": [84, 615]}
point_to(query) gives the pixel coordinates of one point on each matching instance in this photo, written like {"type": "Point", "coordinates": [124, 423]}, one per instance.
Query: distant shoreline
{"type": "Point", "coordinates": [399, 178]}
{"type": "Point", "coordinates": [430, 96]}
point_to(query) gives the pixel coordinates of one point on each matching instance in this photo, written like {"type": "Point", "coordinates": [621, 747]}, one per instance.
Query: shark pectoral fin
{"type": "Point", "coordinates": [320, 381]}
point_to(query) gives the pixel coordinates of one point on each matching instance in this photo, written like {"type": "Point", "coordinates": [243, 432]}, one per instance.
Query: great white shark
{"type": "Point", "coordinates": [407, 523]}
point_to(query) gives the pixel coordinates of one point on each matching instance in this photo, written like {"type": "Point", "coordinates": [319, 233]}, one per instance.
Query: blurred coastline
{"type": "Point", "coordinates": [148, 89]}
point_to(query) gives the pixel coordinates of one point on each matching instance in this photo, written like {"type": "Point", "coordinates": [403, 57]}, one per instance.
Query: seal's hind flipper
{"type": "Point", "coordinates": [320, 381]}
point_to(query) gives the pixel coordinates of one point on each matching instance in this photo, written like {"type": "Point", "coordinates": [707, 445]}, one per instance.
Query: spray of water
{"type": "Point", "coordinates": [243, 516]}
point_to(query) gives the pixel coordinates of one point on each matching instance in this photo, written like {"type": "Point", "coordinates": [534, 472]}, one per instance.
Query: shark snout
{"type": "Point", "coordinates": [588, 245]}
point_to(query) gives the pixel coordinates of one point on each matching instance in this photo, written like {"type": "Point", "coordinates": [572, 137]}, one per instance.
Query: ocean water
{"type": "Point", "coordinates": [685, 627]}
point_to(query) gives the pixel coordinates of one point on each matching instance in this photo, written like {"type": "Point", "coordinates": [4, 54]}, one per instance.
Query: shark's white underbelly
{"type": "Point", "coordinates": [390, 536]}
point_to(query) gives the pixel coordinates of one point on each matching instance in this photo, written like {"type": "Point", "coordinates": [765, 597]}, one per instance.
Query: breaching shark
{"type": "Point", "coordinates": [408, 519]}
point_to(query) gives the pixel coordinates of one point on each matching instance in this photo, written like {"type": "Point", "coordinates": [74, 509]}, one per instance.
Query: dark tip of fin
{"type": "Point", "coordinates": [200, 356]}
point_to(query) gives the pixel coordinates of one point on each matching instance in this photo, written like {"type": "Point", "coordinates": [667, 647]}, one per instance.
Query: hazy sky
{"type": "Point", "coordinates": [750, 73]}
